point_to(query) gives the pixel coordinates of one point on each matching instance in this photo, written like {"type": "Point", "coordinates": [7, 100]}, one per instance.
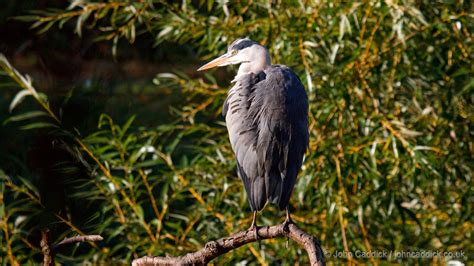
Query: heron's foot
{"type": "Point", "coordinates": [288, 220]}
{"type": "Point", "coordinates": [254, 226]}
{"type": "Point", "coordinates": [286, 225]}
{"type": "Point", "coordinates": [286, 228]}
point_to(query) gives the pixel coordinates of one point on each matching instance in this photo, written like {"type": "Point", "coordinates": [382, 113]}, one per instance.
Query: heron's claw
{"type": "Point", "coordinates": [288, 219]}
{"type": "Point", "coordinates": [255, 229]}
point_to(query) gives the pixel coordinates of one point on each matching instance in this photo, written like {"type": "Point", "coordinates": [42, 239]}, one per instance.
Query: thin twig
{"type": "Point", "coordinates": [214, 249]}
{"type": "Point", "coordinates": [8, 242]}
{"type": "Point", "coordinates": [79, 238]}
{"type": "Point", "coordinates": [73, 227]}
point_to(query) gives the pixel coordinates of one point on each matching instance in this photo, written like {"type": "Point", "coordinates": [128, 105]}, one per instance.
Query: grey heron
{"type": "Point", "coordinates": [266, 114]}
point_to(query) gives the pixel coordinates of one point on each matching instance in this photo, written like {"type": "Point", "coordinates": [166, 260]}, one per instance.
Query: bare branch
{"type": "Point", "coordinates": [49, 251]}
{"type": "Point", "coordinates": [77, 239]}
{"type": "Point", "coordinates": [48, 257]}
{"type": "Point", "coordinates": [214, 249]}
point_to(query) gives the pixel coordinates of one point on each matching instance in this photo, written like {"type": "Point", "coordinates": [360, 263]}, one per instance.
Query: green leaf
{"type": "Point", "coordinates": [19, 98]}
{"type": "Point", "coordinates": [26, 18]}
{"type": "Point", "coordinates": [25, 116]}
{"type": "Point", "coordinates": [8, 84]}
{"type": "Point", "coordinates": [46, 27]}
{"type": "Point", "coordinates": [38, 125]}
{"type": "Point", "coordinates": [127, 125]}
{"type": "Point", "coordinates": [32, 188]}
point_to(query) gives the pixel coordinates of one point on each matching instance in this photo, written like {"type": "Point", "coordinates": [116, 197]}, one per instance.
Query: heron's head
{"type": "Point", "coordinates": [242, 51]}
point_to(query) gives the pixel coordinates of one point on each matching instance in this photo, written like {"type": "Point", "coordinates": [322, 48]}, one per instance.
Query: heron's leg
{"type": "Point", "coordinates": [254, 220]}
{"type": "Point", "coordinates": [288, 219]}
{"type": "Point", "coordinates": [286, 223]}
{"type": "Point", "coordinates": [254, 225]}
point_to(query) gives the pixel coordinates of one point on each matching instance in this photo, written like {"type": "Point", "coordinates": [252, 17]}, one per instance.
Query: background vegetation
{"type": "Point", "coordinates": [119, 136]}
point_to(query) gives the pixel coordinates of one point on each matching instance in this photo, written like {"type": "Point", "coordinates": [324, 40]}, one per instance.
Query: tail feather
{"type": "Point", "coordinates": [258, 195]}
{"type": "Point", "coordinates": [288, 184]}
{"type": "Point", "coordinates": [274, 185]}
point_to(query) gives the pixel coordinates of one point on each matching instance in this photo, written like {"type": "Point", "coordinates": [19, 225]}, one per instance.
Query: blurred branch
{"type": "Point", "coordinates": [85, 8]}
{"type": "Point", "coordinates": [6, 233]}
{"type": "Point", "coordinates": [214, 249]}
{"type": "Point", "coordinates": [48, 250]}
{"type": "Point", "coordinates": [77, 239]}
{"type": "Point", "coordinates": [48, 257]}
{"type": "Point", "coordinates": [124, 18]}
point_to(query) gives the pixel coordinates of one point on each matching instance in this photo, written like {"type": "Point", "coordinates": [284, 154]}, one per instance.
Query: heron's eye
{"type": "Point", "coordinates": [234, 52]}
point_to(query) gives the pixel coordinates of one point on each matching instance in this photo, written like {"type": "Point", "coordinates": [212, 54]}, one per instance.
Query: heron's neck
{"type": "Point", "coordinates": [255, 66]}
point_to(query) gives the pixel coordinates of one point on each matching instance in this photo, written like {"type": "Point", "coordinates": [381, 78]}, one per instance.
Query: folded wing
{"type": "Point", "coordinates": [266, 116]}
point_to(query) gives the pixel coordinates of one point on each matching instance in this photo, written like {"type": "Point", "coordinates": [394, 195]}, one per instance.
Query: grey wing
{"type": "Point", "coordinates": [282, 118]}
{"type": "Point", "coordinates": [266, 116]}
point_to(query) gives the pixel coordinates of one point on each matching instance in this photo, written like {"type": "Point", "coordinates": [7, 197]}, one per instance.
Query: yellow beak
{"type": "Point", "coordinates": [220, 61]}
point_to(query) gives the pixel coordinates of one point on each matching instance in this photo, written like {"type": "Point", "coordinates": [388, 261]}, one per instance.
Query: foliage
{"type": "Point", "coordinates": [390, 159]}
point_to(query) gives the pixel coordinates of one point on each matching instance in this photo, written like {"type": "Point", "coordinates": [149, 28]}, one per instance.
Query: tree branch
{"type": "Point", "coordinates": [48, 257]}
{"type": "Point", "coordinates": [77, 239]}
{"type": "Point", "coordinates": [214, 249]}
{"type": "Point", "coordinates": [49, 250]}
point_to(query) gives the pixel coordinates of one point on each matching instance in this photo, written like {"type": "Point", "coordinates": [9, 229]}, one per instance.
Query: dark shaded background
{"type": "Point", "coordinates": [82, 80]}
{"type": "Point", "coordinates": [86, 74]}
